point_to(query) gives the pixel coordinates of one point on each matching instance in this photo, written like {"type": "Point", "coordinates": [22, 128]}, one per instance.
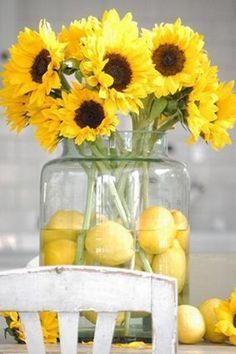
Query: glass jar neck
{"type": "Point", "coordinates": [136, 143]}
{"type": "Point", "coordinates": [161, 145]}
{"type": "Point", "coordinates": [69, 148]}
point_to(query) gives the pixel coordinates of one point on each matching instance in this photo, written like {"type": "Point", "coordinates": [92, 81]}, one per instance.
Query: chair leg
{"type": "Point", "coordinates": [164, 318]}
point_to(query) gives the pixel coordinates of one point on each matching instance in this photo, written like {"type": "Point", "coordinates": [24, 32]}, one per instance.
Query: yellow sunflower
{"type": "Point", "coordinates": [47, 119]}
{"type": "Point", "coordinates": [72, 36]}
{"type": "Point", "coordinates": [218, 135]}
{"type": "Point", "coordinates": [85, 115]}
{"type": "Point", "coordinates": [15, 109]}
{"type": "Point", "coordinates": [34, 64]}
{"type": "Point", "coordinates": [117, 63]}
{"type": "Point", "coordinates": [48, 321]}
{"type": "Point", "coordinates": [176, 51]}
{"type": "Point", "coordinates": [201, 107]}
{"type": "Point", "coordinates": [226, 316]}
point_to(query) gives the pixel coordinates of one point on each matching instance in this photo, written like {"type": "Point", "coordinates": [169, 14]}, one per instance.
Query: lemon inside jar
{"type": "Point", "coordinates": [59, 237]}
{"type": "Point", "coordinates": [110, 244]}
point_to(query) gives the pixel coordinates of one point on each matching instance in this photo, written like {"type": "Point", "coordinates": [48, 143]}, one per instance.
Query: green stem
{"type": "Point", "coordinates": [87, 217]}
{"type": "Point", "coordinates": [144, 260]}
{"type": "Point", "coordinates": [112, 187]}
{"type": "Point", "coordinates": [145, 185]}
{"type": "Point", "coordinates": [127, 324]}
{"type": "Point", "coordinates": [65, 84]}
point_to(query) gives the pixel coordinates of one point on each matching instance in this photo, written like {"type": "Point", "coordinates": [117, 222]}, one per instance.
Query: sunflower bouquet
{"type": "Point", "coordinates": [159, 77]}
{"type": "Point", "coordinates": [77, 86]}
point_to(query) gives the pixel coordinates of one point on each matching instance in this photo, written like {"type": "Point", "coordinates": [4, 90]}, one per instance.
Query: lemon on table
{"type": "Point", "coordinates": [59, 252]}
{"type": "Point", "coordinates": [156, 230]}
{"type": "Point", "coordinates": [207, 309]}
{"type": "Point", "coordinates": [110, 243]}
{"type": "Point", "coordinates": [182, 228]}
{"type": "Point", "coordinates": [66, 220]}
{"type": "Point", "coordinates": [172, 263]}
{"type": "Point", "coordinates": [191, 325]}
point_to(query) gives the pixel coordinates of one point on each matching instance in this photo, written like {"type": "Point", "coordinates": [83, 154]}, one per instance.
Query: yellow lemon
{"type": "Point", "coordinates": [49, 235]}
{"type": "Point", "coordinates": [138, 262]}
{"type": "Point", "coordinates": [191, 325]}
{"type": "Point", "coordinates": [97, 218]}
{"type": "Point", "coordinates": [207, 309]}
{"type": "Point", "coordinates": [180, 219]}
{"type": "Point", "coordinates": [137, 267]}
{"type": "Point", "coordinates": [92, 317]}
{"type": "Point", "coordinates": [183, 238]}
{"type": "Point", "coordinates": [182, 228]}
{"type": "Point", "coordinates": [66, 220]}
{"type": "Point", "coordinates": [59, 252]}
{"type": "Point", "coordinates": [157, 230]}
{"type": "Point", "coordinates": [172, 263]}
{"type": "Point", "coordinates": [88, 259]}
{"type": "Point", "coordinates": [110, 243]}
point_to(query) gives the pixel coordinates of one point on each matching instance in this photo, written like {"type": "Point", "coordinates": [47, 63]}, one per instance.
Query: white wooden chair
{"type": "Point", "coordinates": [69, 290]}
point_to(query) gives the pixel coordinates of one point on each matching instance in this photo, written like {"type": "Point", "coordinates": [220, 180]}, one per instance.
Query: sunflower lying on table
{"type": "Point", "coordinates": [49, 324]}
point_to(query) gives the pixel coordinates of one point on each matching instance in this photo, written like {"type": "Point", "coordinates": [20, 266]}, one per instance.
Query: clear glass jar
{"type": "Point", "coordinates": [118, 202]}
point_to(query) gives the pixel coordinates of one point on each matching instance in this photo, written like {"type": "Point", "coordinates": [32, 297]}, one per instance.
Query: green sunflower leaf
{"type": "Point", "coordinates": [78, 75]}
{"type": "Point", "coordinates": [69, 66]}
{"type": "Point", "coordinates": [157, 108]}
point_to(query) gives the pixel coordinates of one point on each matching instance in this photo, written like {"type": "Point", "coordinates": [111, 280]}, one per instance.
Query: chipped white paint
{"type": "Point", "coordinates": [69, 290]}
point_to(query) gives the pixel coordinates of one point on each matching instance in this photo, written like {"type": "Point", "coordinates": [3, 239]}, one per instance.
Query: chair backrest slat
{"type": "Point", "coordinates": [105, 326]}
{"type": "Point", "coordinates": [68, 330]}
{"type": "Point", "coordinates": [68, 290]}
{"type": "Point", "coordinates": [33, 332]}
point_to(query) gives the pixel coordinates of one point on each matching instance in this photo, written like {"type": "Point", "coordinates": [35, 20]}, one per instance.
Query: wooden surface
{"type": "Point", "coordinates": [85, 349]}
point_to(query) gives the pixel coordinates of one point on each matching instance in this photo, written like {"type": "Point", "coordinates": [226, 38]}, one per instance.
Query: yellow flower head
{"type": "Point", "coordinates": [50, 328]}
{"type": "Point", "coordinates": [117, 63]}
{"type": "Point", "coordinates": [47, 119]}
{"type": "Point", "coordinates": [85, 115]}
{"type": "Point", "coordinates": [12, 315]}
{"type": "Point", "coordinates": [226, 116]}
{"type": "Point", "coordinates": [15, 109]}
{"type": "Point", "coordinates": [48, 321]}
{"type": "Point", "coordinates": [34, 64]}
{"type": "Point", "coordinates": [226, 316]}
{"type": "Point", "coordinates": [176, 51]}
{"type": "Point", "coordinates": [201, 106]}
{"type": "Point", "coordinates": [72, 36]}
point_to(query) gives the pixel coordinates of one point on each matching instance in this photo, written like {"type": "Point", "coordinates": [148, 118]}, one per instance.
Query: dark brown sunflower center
{"type": "Point", "coordinates": [120, 70]}
{"type": "Point", "coordinates": [168, 59]}
{"type": "Point", "coordinates": [234, 320]}
{"type": "Point", "coordinates": [89, 114]}
{"type": "Point", "coordinates": [40, 65]}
